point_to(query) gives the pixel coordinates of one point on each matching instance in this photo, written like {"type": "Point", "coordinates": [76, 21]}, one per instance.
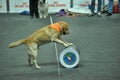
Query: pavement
{"type": "Point", "coordinates": [98, 39]}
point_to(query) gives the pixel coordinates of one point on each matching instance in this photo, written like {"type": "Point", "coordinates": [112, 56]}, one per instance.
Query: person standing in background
{"type": "Point", "coordinates": [33, 6]}
{"type": "Point", "coordinates": [110, 7]}
{"type": "Point", "coordinates": [92, 8]}
{"type": "Point", "coordinates": [119, 5]}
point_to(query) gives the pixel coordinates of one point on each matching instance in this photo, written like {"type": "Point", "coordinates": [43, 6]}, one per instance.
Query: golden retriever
{"type": "Point", "coordinates": [50, 33]}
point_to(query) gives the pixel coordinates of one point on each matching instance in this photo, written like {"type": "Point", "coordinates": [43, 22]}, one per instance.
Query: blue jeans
{"type": "Point", "coordinates": [93, 6]}
{"type": "Point", "coordinates": [110, 6]}
{"type": "Point", "coordinates": [119, 4]}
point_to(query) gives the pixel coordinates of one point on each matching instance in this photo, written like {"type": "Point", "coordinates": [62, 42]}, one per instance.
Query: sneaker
{"type": "Point", "coordinates": [91, 14]}
{"type": "Point", "coordinates": [108, 14]}
{"type": "Point", "coordinates": [99, 14]}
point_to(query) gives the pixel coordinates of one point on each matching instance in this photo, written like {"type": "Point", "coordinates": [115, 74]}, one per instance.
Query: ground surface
{"type": "Point", "coordinates": [98, 39]}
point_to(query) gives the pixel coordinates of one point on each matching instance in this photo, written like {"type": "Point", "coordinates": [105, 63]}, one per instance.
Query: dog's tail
{"type": "Point", "coordinates": [16, 43]}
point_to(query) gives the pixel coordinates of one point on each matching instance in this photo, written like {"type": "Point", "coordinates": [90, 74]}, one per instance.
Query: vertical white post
{"type": "Point", "coordinates": [56, 51]}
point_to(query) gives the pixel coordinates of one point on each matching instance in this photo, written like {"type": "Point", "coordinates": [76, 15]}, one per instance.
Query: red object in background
{"type": "Point", "coordinates": [116, 8]}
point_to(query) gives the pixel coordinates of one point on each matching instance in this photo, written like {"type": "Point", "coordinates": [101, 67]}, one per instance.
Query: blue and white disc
{"type": "Point", "coordinates": [69, 57]}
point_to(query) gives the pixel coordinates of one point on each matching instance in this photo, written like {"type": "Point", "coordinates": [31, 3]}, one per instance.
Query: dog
{"type": "Point", "coordinates": [47, 34]}
{"type": "Point", "coordinates": [42, 9]}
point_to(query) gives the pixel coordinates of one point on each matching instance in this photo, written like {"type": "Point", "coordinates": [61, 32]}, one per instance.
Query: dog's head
{"type": "Point", "coordinates": [64, 28]}
{"type": "Point", "coordinates": [41, 2]}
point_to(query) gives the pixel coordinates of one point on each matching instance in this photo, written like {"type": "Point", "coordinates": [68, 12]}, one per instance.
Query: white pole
{"type": "Point", "coordinates": [56, 50]}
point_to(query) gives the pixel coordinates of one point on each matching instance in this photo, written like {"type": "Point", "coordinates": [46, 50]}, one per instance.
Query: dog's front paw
{"type": "Point", "coordinates": [70, 44]}
{"type": "Point", "coordinates": [45, 17]}
{"type": "Point", "coordinates": [41, 17]}
{"type": "Point", "coordinates": [66, 45]}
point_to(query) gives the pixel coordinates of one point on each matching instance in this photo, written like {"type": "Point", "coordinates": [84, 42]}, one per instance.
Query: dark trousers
{"type": "Point", "coordinates": [33, 6]}
{"type": "Point", "coordinates": [93, 5]}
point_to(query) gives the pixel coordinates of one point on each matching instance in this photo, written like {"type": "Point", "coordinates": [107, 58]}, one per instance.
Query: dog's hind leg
{"type": "Point", "coordinates": [33, 55]}
{"type": "Point", "coordinates": [30, 58]}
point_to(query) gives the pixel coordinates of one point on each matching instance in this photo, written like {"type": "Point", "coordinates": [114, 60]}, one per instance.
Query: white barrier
{"type": "Point", "coordinates": [84, 3]}
{"type": "Point", "coordinates": [3, 6]}
{"type": "Point", "coordinates": [18, 5]}
{"type": "Point", "coordinates": [81, 6]}
{"type": "Point", "coordinates": [56, 5]}
{"type": "Point", "coordinates": [81, 3]}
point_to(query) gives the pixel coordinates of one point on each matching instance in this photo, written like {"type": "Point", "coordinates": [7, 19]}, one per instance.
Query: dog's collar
{"type": "Point", "coordinates": [56, 26]}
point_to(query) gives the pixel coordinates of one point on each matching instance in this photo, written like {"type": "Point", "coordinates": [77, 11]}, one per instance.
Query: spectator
{"type": "Point", "coordinates": [92, 8]}
{"type": "Point", "coordinates": [33, 6]}
{"type": "Point", "coordinates": [110, 7]}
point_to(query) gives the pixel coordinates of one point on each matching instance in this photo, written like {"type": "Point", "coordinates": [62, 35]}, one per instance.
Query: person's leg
{"type": "Point", "coordinates": [36, 8]}
{"type": "Point", "coordinates": [36, 13]}
{"type": "Point", "coordinates": [110, 7]}
{"type": "Point", "coordinates": [31, 8]}
{"type": "Point", "coordinates": [92, 8]}
{"type": "Point", "coordinates": [99, 8]}
{"type": "Point", "coordinates": [31, 13]}
{"type": "Point", "coordinates": [119, 5]}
